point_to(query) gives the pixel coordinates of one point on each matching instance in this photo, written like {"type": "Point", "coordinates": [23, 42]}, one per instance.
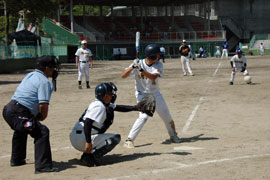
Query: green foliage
{"type": "Point", "coordinates": [89, 10]}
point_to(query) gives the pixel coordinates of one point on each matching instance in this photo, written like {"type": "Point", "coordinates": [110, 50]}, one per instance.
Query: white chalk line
{"type": "Point", "coordinates": [214, 74]}
{"type": "Point", "coordinates": [53, 150]}
{"type": "Point", "coordinates": [193, 113]}
{"type": "Point", "coordinates": [182, 166]}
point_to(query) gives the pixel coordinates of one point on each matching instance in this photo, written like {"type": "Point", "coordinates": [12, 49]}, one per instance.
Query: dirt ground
{"type": "Point", "coordinates": [225, 129]}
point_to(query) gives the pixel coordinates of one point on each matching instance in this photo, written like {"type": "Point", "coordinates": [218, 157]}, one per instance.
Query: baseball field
{"type": "Point", "coordinates": [225, 128]}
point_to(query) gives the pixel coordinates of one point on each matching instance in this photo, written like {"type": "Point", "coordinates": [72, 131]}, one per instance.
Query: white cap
{"type": "Point", "coordinates": [184, 40]}
{"type": "Point", "coordinates": [84, 42]}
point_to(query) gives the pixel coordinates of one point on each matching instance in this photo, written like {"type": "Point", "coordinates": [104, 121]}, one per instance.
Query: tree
{"type": "Point", "coordinates": [38, 9]}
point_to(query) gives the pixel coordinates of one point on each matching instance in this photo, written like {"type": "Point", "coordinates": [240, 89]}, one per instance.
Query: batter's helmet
{"type": "Point", "coordinates": [106, 88]}
{"type": "Point", "coordinates": [152, 50]}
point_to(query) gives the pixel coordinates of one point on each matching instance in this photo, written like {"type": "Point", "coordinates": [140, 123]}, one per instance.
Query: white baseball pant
{"type": "Point", "coordinates": [77, 138]}
{"type": "Point", "coordinates": [185, 62]}
{"type": "Point", "coordinates": [83, 69]}
{"type": "Point", "coordinates": [224, 53]}
{"type": "Point", "coordinates": [163, 112]}
{"type": "Point", "coordinates": [236, 70]}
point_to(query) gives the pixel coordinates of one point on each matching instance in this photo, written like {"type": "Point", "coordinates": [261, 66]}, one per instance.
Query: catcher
{"type": "Point", "coordinates": [88, 134]}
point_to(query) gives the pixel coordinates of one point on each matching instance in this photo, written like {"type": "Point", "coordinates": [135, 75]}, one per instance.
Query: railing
{"type": "Point", "coordinates": [168, 36]}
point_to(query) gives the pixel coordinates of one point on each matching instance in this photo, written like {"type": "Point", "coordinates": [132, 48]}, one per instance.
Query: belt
{"type": "Point", "coordinates": [84, 61]}
{"type": "Point", "coordinates": [14, 102]}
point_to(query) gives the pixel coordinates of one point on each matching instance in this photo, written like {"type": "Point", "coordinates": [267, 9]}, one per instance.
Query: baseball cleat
{"type": "Point", "coordinates": [175, 139]}
{"type": "Point", "coordinates": [192, 74]}
{"type": "Point", "coordinates": [231, 83]}
{"type": "Point", "coordinates": [185, 74]}
{"type": "Point", "coordinates": [80, 86]}
{"type": "Point", "coordinates": [88, 87]}
{"type": "Point", "coordinates": [129, 144]}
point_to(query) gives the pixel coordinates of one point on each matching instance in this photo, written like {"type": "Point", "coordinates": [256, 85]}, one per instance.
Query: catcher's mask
{"type": "Point", "coordinates": [49, 61]}
{"type": "Point", "coordinates": [152, 50]}
{"type": "Point", "coordinates": [106, 88]}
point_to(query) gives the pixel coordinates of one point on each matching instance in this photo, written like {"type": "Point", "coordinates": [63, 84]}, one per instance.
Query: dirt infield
{"type": "Point", "coordinates": [225, 129]}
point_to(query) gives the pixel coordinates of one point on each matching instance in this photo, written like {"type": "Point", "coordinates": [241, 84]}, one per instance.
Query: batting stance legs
{"type": "Point", "coordinates": [83, 69]}
{"type": "Point", "coordinates": [185, 63]}
{"type": "Point", "coordinates": [162, 110]}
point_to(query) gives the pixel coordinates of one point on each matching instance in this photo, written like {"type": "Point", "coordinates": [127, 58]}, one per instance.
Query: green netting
{"type": "Point", "coordinates": [59, 34]}
{"type": "Point", "coordinates": [19, 52]}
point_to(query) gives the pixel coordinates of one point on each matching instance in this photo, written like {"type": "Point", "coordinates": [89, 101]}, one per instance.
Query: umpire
{"type": "Point", "coordinates": [29, 106]}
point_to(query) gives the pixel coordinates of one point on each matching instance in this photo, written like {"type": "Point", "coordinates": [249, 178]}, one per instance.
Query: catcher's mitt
{"type": "Point", "coordinates": [147, 105]}
{"type": "Point", "coordinates": [243, 68]}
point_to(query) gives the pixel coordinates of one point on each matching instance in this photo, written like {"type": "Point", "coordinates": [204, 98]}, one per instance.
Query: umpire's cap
{"type": "Point", "coordinates": [47, 61]}
{"type": "Point", "coordinates": [106, 88]}
{"type": "Point", "coordinates": [152, 50]}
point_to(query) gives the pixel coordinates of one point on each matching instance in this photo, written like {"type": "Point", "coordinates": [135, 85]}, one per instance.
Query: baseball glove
{"type": "Point", "coordinates": [147, 105]}
{"type": "Point", "coordinates": [243, 69]}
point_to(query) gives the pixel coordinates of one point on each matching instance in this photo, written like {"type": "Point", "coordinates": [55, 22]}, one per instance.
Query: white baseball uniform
{"type": "Point", "coordinates": [96, 111]}
{"type": "Point", "coordinates": [84, 56]}
{"type": "Point", "coordinates": [261, 49]}
{"type": "Point", "coordinates": [144, 86]}
{"type": "Point", "coordinates": [238, 63]}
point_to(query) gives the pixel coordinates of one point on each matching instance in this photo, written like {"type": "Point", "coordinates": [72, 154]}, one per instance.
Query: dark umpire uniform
{"type": "Point", "coordinates": [29, 106]}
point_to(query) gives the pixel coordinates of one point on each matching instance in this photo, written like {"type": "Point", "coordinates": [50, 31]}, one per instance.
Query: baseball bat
{"type": "Point", "coordinates": [137, 44]}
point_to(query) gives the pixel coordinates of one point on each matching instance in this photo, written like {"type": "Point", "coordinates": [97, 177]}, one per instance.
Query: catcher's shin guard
{"type": "Point", "coordinates": [110, 144]}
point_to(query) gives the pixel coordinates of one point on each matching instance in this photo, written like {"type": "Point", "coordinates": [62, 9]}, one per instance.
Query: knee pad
{"type": "Point", "coordinates": [110, 144]}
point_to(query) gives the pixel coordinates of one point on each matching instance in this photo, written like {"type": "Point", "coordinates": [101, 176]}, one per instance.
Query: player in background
{"type": "Point", "coordinates": [261, 49]}
{"type": "Point", "coordinates": [238, 63]}
{"type": "Point", "coordinates": [184, 53]}
{"type": "Point", "coordinates": [83, 56]}
{"type": "Point", "coordinates": [218, 53]}
{"type": "Point", "coordinates": [162, 55]}
{"type": "Point", "coordinates": [88, 134]}
{"type": "Point", "coordinates": [191, 55]}
{"type": "Point", "coordinates": [147, 73]}
{"type": "Point", "coordinates": [224, 50]}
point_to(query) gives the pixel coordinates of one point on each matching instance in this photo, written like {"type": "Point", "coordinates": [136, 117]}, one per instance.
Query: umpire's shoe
{"type": "Point", "coordinates": [89, 160]}
{"type": "Point", "coordinates": [17, 163]}
{"type": "Point", "coordinates": [46, 170]}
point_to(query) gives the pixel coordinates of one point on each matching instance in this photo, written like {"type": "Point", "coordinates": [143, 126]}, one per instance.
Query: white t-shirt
{"type": "Point", "coordinates": [143, 84]}
{"type": "Point", "coordinates": [261, 47]}
{"type": "Point", "coordinates": [238, 62]}
{"type": "Point", "coordinates": [83, 54]}
{"type": "Point", "coordinates": [97, 112]}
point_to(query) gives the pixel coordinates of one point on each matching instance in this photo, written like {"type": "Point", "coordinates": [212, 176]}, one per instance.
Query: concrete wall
{"type": "Point", "coordinates": [253, 16]}
{"type": "Point", "coordinates": [12, 65]}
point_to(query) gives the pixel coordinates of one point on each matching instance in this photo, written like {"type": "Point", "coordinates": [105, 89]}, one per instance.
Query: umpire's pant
{"type": "Point", "coordinates": [16, 116]}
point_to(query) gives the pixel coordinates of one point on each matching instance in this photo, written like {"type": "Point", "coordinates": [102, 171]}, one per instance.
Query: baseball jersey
{"type": "Point", "coordinates": [162, 50]}
{"type": "Point", "coordinates": [184, 50]}
{"type": "Point", "coordinates": [83, 54]}
{"type": "Point", "coordinates": [34, 89]}
{"type": "Point", "coordinates": [143, 84]}
{"type": "Point", "coordinates": [238, 62]}
{"type": "Point", "coordinates": [98, 112]}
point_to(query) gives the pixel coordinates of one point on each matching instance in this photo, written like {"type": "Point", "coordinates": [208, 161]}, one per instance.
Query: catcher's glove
{"type": "Point", "coordinates": [243, 69]}
{"type": "Point", "coordinates": [147, 105]}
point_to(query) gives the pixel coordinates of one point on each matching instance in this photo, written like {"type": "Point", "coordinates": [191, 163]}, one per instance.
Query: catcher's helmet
{"type": "Point", "coordinates": [106, 88]}
{"type": "Point", "coordinates": [152, 50]}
